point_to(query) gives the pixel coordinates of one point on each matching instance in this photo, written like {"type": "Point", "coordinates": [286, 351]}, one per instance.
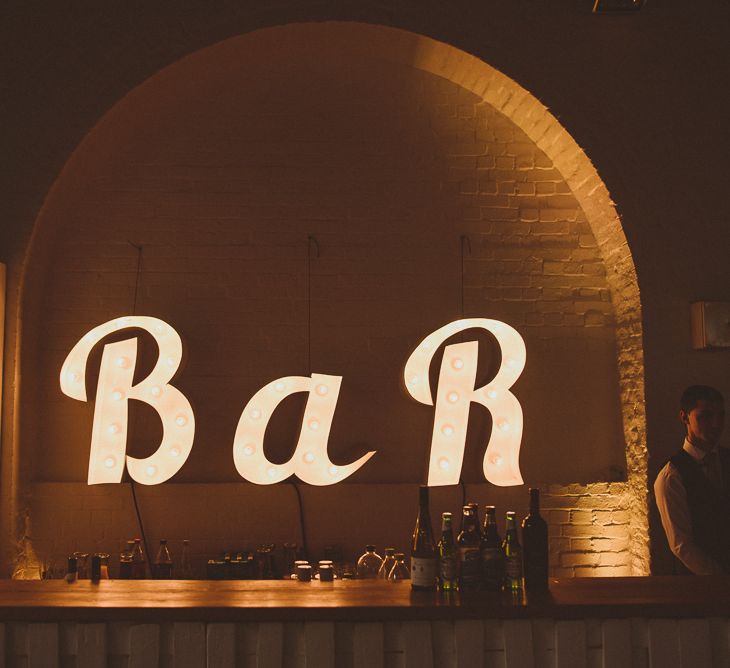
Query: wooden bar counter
{"type": "Point", "coordinates": [622, 622]}
{"type": "Point", "coordinates": [354, 600]}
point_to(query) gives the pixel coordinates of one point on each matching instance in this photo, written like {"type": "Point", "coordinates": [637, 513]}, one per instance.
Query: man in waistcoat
{"type": "Point", "coordinates": [693, 488]}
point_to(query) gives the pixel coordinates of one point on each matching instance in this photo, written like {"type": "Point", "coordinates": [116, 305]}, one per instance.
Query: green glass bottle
{"type": "Point", "coordinates": [469, 558]}
{"type": "Point", "coordinates": [492, 556]}
{"type": "Point", "coordinates": [448, 558]}
{"type": "Point", "coordinates": [512, 555]}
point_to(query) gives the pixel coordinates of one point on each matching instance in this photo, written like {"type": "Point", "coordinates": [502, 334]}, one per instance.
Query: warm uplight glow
{"type": "Point", "coordinates": [310, 461]}
{"type": "Point", "coordinates": [455, 393]}
{"type": "Point", "coordinates": [113, 391]}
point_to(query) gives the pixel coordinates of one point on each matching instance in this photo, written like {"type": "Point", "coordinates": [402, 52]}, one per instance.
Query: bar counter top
{"type": "Point", "coordinates": [351, 600]}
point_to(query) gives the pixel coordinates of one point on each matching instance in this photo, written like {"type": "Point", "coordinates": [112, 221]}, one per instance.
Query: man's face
{"type": "Point", "coordinates": [704, 423]}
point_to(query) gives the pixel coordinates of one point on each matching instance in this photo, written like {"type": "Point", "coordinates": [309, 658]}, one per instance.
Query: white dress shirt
{"type": "Point", "coordinates": [671, 499]}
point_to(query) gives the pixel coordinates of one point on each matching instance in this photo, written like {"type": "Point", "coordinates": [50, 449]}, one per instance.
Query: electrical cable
{"type": "Point", "coordinates": [311, 243]}
{"type": "Point", "coordinates": [303, 531]}
{"type": "Point", "coordinates": [140, 524]}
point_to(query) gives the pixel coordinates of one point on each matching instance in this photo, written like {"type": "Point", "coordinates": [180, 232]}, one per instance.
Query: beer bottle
{"type": "Point", "coordinates": [448, 563]}
{"type": "Point", "coordinates": [535, 546]}
{"type": "Point", "coordinates": [468, 544]}
{"type": "Point", "coordinates": [162, 569]}
{"type": "Point", "coordinates": [186, 567]}
{"type": "Point", "coordinates": [139, 564]}
{"type": "Point", "coordinates": [491, 553]}
{"type": "Point", "coordinates": [512, 555]}
{"type": "Point", "coordinates": [475, 508]}
{"type": "Point", "coordinates": [125, 562]}
{"type": "Point", "coordinates": [424, 559]}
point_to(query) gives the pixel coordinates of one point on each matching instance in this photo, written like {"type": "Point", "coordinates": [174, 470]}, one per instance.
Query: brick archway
{"type": "Point", "coordinates": [509, 99]}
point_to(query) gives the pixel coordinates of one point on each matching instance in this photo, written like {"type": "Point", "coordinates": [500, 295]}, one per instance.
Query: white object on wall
{"type": "Point", "coordinates": [310, 461]}
{"type": "Point", "coordinates": [115, 389]}
{"type": "Point", "coordinates": [455, 394]}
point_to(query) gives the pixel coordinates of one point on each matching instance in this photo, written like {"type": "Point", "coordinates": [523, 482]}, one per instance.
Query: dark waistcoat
{"type": "Point", "coordinates": [709, 508]}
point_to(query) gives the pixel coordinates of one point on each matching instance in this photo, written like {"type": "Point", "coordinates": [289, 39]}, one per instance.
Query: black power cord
{"type": "Point", "coordinates": [140, 524]}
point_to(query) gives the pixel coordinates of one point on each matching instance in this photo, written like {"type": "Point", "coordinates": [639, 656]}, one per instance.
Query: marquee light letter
{"type": "Point", "coordinates": [115, 389]}
{"type": "Point", "coordinates": [310, 461]}
{"type": "Point", "coordinates": [455, 393]}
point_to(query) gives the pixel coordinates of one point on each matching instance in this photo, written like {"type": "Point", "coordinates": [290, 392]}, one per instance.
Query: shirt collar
{"type": "Point", "coordinates": [694, 452]}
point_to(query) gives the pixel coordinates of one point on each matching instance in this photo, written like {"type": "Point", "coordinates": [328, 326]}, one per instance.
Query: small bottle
{"type": "Point", "coordinates": [448, 559]}
{"type": "Point", "coordinates": [72, 569]}
{"type": "Point", "coordinates": [186, 567]}
{"type": "Point", "coordinates": [125, 562]}
{"type": "Point", "coordinates": [424, 557]}
{"type": "Point", "coordinates": [369, 564]}
{"type": "Point", "coordinates": [469, 558]}
{"type": "Point", "coordinates": [475, 508]}
{"type": "Point", "coordinates": [492, 556]}
{"type": "Point", "coordinates": [535, 546]}
{"type": "Point", "coordinates": [388, 563]}
{"type": "Point", "coordinates": [512, 555]}
{"type": "Point", "coordinates": [162, 569]}
{"type": "Point", "coordinates": [139, 563]}
{"type": "Point", "coordinates": [400, 570]}
{"type": "Point", "coordinates": [95, 568]}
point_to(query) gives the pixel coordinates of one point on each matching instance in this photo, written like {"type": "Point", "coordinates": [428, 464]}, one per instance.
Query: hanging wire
{"type": "Point", "coordinates": [312, 245]}
{"type": "Point", "coordinates": [140, 524]}
{"type": "Point", "coordinates": [464, 242]}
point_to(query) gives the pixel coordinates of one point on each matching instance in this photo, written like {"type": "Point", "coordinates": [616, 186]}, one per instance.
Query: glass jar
{"type": "Point", "coordinates": [399, 571]}
{"type": "Point", "coordinates": [369, 564]}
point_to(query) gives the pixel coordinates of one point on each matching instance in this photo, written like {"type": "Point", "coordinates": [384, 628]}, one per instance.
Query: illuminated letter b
{"type": "Point", "coordinates": [109, 435]}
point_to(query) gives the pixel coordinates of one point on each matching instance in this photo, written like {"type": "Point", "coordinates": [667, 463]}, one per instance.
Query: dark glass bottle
{"type": "Point", "coordinates": [125, 562]}
{"type": "Point", "coordinates": [162, 569]}
{"type": "Point", "coordinates": [512, 555]}
{"type": "Point", "coordinates": [139, 563]}
{"type": "Point", "coordinates": [469, 543]}
{"type": "Point", "coordinates": [492, 556]}
{"type": "Point", "coordinates": [535, 546]}
{"type": "Point", "coordinates": [475, 508]}
{"type": "Point", "coordinates": [448, 558]}
{"type": "Point", "coordinates": [424, 558]}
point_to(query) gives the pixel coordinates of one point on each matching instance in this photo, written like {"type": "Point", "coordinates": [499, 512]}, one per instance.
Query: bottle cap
{"type": "Point", "coordinates": [446, 516]}
{"type": "Point", "coordinates": [389, 551]}
{"type": "Point", "coordinates": [370, 548]}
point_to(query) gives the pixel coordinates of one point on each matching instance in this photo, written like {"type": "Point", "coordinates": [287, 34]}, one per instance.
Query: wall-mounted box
{"type": "Point", "coordinates": [710, 324]}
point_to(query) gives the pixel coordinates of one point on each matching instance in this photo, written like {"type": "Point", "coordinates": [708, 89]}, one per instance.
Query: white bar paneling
{"type": "Point", "coordinates": [417, 648]}
{"type": "Point", "coordinates": [469, 641]}
{"type": "Point", "coordinates": [616, 643]}
{"type": "Point", "coordinates": [518, 645]}
{"type": "Point", "coordinates": [319, 641]}
{"type": "Point", "coordinates": [368, 645]}
{"type": "Point", "coordinates": [664, 644]}
{"type": "Point", "coordinates": [270, 645]}
{"type": "Point", "coordinates": [189, 645]}
{"type": "Point", "coordinates": [144, 645]}
{"type": "Point", "coordinates": [90, 645]}
{"type": "Point", "coordinates": [539, 643]}
{"type": "Point", "coordinates": [220, 646]}
{"type": "Point", "coordinates": [719, 629]}
{"type": "Point", "coordinates": [694, 643]}
{"type": "Point", "coordinates": [43, 646]}
{"type": "Point", "coordinates": [570, 644]}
